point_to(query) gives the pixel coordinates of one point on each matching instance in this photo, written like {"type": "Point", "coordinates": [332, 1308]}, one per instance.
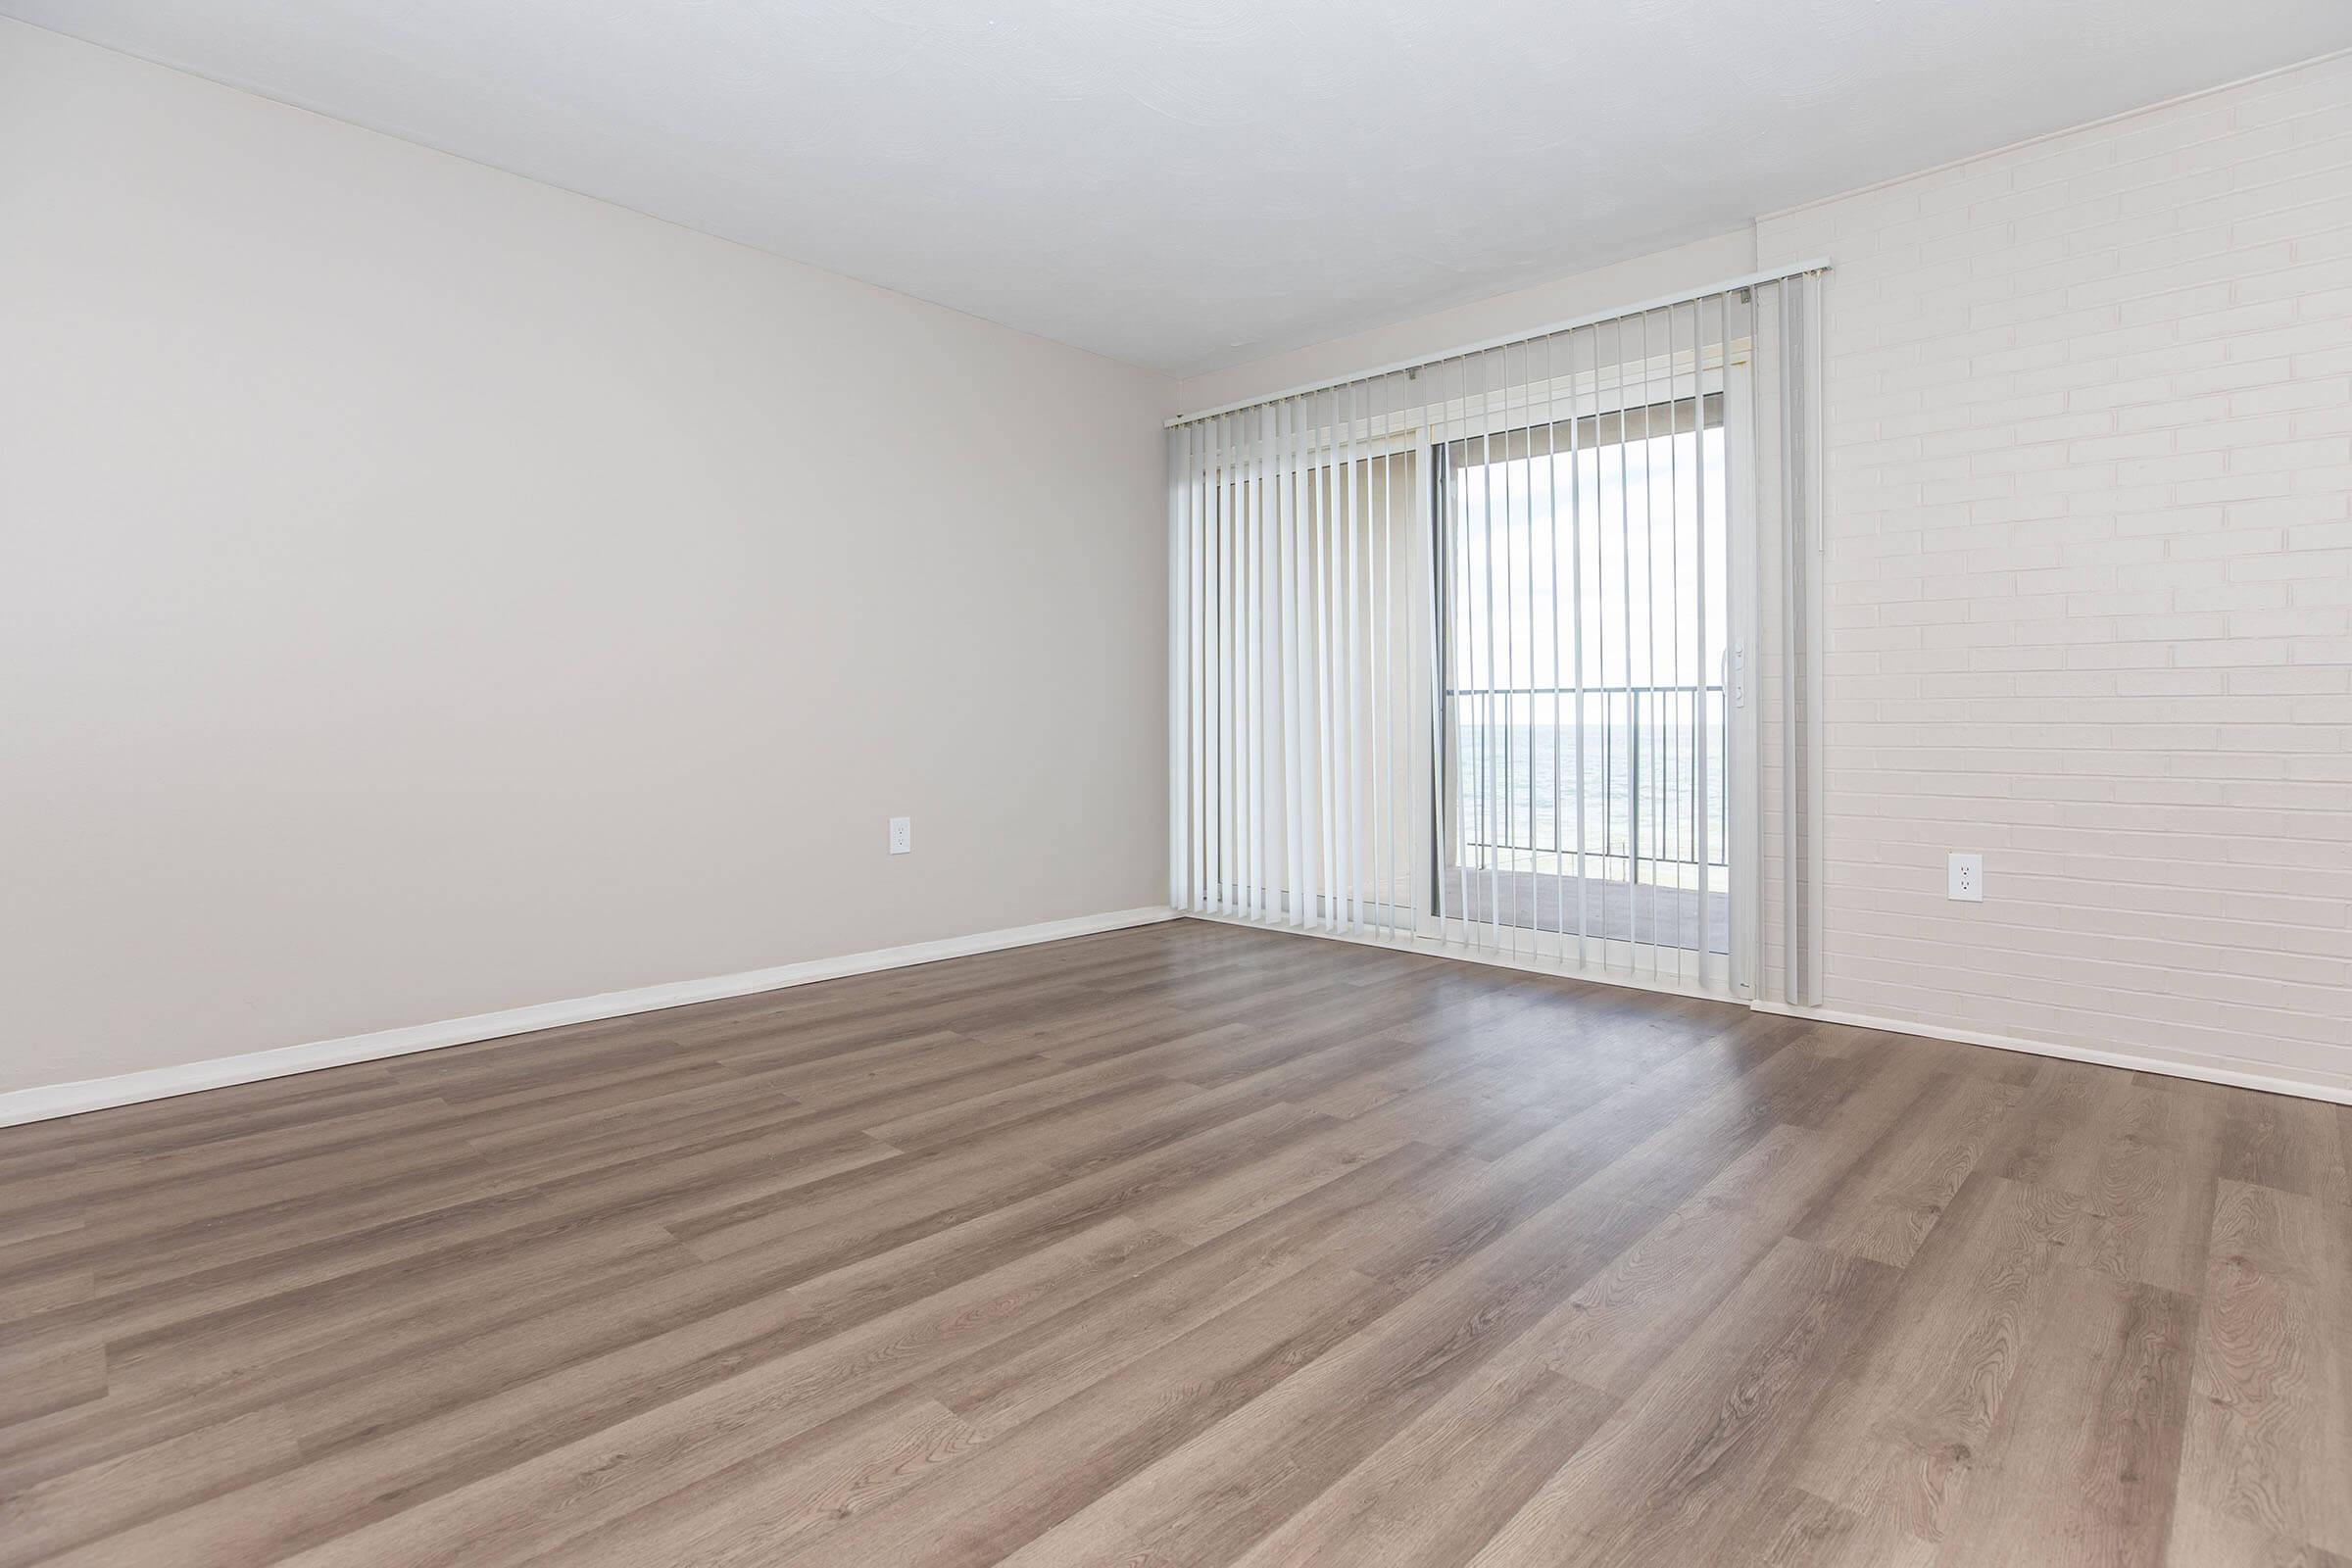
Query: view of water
{"type": "Point", "coordinates": [1641, 795]}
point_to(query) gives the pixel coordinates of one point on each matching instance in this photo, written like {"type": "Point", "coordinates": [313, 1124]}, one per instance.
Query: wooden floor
{"type": "Point", "coordinates": [1184, 1244]}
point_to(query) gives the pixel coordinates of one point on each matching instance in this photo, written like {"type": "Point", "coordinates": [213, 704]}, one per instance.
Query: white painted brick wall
{"type": "Point", "coordinates": [2089, 584]}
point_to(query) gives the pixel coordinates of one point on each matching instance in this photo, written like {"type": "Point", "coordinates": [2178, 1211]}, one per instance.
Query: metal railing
{"type": "Point", "coordinates": [1574, 803]}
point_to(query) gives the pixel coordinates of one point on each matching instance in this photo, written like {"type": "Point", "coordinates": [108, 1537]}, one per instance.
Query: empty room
{"type": "Point", "coordinates": [912, 784]}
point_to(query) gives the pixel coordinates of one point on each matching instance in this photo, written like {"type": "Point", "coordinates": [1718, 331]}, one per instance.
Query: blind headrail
{"type": "Point", "coordinates": [1820, 264]}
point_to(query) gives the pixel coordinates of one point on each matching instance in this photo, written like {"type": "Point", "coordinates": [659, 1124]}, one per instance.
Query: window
{"type": "Point", "coordinates": [1460, 649]}
{"type": "Point", "coordinates": [1584, 623]}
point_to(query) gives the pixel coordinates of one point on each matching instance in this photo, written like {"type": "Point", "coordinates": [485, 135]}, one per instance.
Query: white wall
{"type": "Point", "coordinates": [424, 592]}
{"type": "Point", "coordinates": [2090, 575]}
{"type": "Point", "coordinates": [2090, 583]}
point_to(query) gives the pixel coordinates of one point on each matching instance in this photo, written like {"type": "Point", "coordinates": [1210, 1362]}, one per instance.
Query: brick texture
{"type": "Point", "coordinates": [2089, 584]}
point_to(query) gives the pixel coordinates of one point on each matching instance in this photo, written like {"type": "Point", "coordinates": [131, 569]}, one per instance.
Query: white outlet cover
{"type": "Point", "coordinates": [1964, 878]}
{"type": "Point", "coordinates": [902, 835]}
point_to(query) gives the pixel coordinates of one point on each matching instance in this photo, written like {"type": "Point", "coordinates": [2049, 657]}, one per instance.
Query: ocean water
{"type": "Point", "coordinates": [1640, 792]}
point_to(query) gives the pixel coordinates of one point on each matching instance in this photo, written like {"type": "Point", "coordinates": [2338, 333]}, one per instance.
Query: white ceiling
{"type": "Point", "coordinates": [1185, 184]}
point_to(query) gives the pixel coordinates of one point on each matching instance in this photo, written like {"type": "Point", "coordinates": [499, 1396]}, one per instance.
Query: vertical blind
{"type": "Point", "coordinates": [1513, 652]}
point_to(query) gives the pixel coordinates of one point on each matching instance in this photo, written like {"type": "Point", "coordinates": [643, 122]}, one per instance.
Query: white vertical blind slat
{"type": "Point", "coordinates": [1632, 709]}
{"type": "Point", "coordinates": [1234, 801]}
{"type": "Point", "coordinates": [1508, 834]}
{"type": "Point", "coordinates": [1253, 801]}
{"type": "Point", "coordinates": [1670, 823]}
{"type": "Point", "coordinates": [1195, 666]}
{"type": "Point", "coordinates": [1655, 632]}
{"type": "Point", "coordinates": [1576, 590]}
{"type": "Point", "coordinates": [1229, 497]}
{"type": "Point", "coordinates": [1343, 665]}
{"type": "Point", "coordinates": [1792, 547]}
{"type": "Point", "coordinates": [1449, 762]}
{"type": "Point", "coordinates": [1390, 687]}
{"type": "Point", "coordinates": [1179, 499]}
{"type": "Point", "coordinates": [1339, 476]}
{"type": "Point", "coordinates": [1297, 703]}
{"type": "Point", "coordinates": [1490, 762]}
{"type": "Point", "coordinates": [1314, 507]}
{"type": "Point", "coordinates": [1291, 675]}
{"type": "Point", "coordinates": [1551, 554]}
{"type": "Point", "coordinates": [1381, 654]}
{"type": "Point", "coordinates": [1352, 524]}
{"type": "Point", "coordinates": [1327, 690]}
{"type": "Point", "coordinates": [1702, 702]}
{"type": "Point", "coordinates": [1250, 809]}
{"type": "Point", "coordinates": [1229, 652]}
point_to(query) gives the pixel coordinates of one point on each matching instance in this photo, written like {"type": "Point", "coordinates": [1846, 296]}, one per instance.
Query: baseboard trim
{"type": "Point", "coordinates": [2201, 1072]}
{"type": "Point", "coordinates": [47, 1102]}
{"type": "Point", "coordinates": [50, 1100]}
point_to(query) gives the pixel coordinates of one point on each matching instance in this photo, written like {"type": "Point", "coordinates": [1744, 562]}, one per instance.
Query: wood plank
{"type": "Point", "coordinates": [1185, 1245]}
{"type": "Point", "coordinates": [1884, 1209]}
{"type": "Point", "coordinates": [1435, 1493]}
{"type": "Point", "coordinates": [1664, 1478]}
{"type": "Point", "coordinates": [1047, 1468]}
{"type": "Point", "coordinates": [1208, 1500]}
{"type": "Point", "coordinates": [2296, 1146]}
{"type": "Point", "coordinates": [2082, 1462]}
{"type": "Point", "coordinates": [2270, 1431]}
{"type": "Point", "coordinates": [1027, 1373]}
{"type": "Point", "coordinates": [2143, 1210]}
{"type": "Point", "coordinates": [112, 1495]}
{"type": "Point", "coordinates": [1903, 1428]}
{"type": "Point", "coordinates": [572, 1449]}
{"type": "Point", "coordinates": [768, 1507]}
{"type": "Point", "coordinates": [43, 1376]}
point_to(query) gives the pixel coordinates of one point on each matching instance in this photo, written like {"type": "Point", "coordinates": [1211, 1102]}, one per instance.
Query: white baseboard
{"type": "Point", "coordinates": [161, 1082]}
{"type": "Point", "coordinates": [2212, 1073]}
{"type": "Point", "coordinates": [50, 1100]}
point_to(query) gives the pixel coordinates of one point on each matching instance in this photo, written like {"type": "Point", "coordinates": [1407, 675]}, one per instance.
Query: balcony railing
{"type": "Point", "coordinates": [1623, 801]}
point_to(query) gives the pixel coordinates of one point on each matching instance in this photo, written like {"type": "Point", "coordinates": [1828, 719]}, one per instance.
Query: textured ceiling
{"type": "Point", "coordinates": [1187, 183]}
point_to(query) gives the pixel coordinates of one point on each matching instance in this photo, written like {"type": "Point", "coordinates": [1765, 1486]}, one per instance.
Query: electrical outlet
{"type": "Point", "coordinates": [902, 835]}
{"type": "Point", "coordinates": [1964, 878]}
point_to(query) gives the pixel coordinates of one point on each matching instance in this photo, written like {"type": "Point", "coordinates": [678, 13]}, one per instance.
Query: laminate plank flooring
{"type": "Point", "coordinates": [1184, 1244]}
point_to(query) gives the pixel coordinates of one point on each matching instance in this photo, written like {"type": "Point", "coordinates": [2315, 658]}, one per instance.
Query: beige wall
{"type": "Point", "coordinates": [2089, 575]}
{"type": "Point", "coordinates": [424, 592]}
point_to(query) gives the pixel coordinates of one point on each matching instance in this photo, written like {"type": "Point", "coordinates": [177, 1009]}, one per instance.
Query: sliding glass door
{"type": "Point", "coordinates": [1584, 626]}
{"type": "Point", "coordinates": [1461, 649]}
